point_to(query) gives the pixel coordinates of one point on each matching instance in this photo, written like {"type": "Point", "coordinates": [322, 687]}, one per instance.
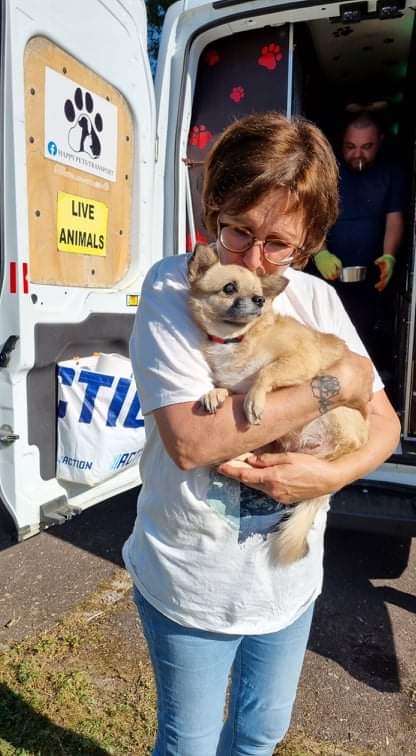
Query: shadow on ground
{"type": "Point", "coordinates": [27, 731]}
{"type": "Point", "coordinates": [352, 625]}
{"type": "Point", "coordinates": [100, 530]}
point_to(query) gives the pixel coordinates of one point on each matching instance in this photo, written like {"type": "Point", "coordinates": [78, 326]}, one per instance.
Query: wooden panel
{"type": "Point", "coordinates": [46, 178]}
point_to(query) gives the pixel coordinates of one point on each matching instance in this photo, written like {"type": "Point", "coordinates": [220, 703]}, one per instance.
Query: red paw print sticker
{"type": "Point", "coordinates": [200, 136]}
{"type": "Point", "coordinates": [237, 94]}
{"type": "Point", "coordinates": [212, 58]}
{"type": "Point", "coordinates": [200, 239]}
{"type": "Point", "coordinates": [270, 56]}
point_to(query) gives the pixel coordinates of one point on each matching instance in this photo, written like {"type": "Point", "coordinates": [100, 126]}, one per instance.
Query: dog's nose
{"type": "Point", "coordinates": [259, 301]}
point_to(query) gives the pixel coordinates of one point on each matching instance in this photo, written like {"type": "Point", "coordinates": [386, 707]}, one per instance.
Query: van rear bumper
{"type": "Point", "coordinates": [374, 507]}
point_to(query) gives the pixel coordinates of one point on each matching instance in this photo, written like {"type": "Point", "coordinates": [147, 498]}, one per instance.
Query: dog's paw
{"type": "Point", "coordinates": [254, 404]}
{"type": "Point", "coordinates": [214, 399]}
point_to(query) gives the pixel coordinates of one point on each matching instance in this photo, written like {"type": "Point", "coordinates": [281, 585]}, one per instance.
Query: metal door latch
{"type": "Point", "coordinates": [6, 435]}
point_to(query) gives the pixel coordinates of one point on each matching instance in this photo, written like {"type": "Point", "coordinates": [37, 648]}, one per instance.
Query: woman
{"type": "Point", "coordinates": [210, 599]}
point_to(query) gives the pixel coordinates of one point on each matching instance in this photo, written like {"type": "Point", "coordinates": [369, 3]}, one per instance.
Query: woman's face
{"type": "Point", "coordinates": [266, 220]}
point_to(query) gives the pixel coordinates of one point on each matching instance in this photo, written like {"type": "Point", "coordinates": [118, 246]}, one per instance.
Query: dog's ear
{"type": "Point", "coordinates": [273, 285]}
{"type": "Point", "coordinates": [201, 259]}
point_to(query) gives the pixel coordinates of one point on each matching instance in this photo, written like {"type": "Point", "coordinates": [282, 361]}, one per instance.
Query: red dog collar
{"type": "Point", "coordinates": [219, 340]}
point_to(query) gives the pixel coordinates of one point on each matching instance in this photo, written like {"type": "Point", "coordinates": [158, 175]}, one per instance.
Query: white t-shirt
{"type": "Point", "coordinates": [199, 550]}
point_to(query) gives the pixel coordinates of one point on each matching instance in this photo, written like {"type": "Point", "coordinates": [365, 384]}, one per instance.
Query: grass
{"type": "Point", "coordinates": [85, 687]}
{"type": "Point", "coordinates": [68, 691]}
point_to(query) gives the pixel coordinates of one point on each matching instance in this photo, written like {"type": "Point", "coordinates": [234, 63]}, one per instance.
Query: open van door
{"type": "Point", "coordinates": [78, 128]}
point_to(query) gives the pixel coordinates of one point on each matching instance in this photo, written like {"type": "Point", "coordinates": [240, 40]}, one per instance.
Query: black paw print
{"type": "Point", "coordinates": [83, 137]}
{"type": "Point", "coordinates": [343, 31]}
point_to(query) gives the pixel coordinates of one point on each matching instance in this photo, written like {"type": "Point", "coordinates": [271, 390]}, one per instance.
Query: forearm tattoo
{"type": "Point", "coordinates": [324, 388]}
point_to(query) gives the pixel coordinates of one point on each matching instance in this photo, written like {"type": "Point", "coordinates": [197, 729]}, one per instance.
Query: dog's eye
{"type": "Point", "coordinates": [230, 288]}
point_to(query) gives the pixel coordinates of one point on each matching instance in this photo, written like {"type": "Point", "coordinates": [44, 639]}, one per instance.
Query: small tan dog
{"type": "Point", "coordinates": [264, 352]}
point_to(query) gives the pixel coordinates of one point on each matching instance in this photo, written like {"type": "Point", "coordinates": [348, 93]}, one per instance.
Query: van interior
{"type": "Point", "coordinates": [318, 69]}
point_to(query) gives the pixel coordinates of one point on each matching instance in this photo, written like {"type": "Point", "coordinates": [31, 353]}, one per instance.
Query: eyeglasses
{"type": "Point", "coordinates": [275, 251]}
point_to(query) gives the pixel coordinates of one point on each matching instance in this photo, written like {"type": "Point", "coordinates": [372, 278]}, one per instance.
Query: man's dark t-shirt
{"type": "Point", "coordinates": [366, 197]}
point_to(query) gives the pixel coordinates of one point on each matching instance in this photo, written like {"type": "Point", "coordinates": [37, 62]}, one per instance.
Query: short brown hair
{"type": "Point", "coordinates": [264, 152]}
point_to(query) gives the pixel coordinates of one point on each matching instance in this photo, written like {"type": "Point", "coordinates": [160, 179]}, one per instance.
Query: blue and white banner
{"type": "Point", "coordinates": [100, 424]}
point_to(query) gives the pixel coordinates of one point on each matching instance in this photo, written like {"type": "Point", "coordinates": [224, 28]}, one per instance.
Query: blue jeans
{"type": "Point", "coordinates": [192, 669]}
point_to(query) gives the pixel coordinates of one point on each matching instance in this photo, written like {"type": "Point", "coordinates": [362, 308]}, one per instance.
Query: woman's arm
{"type": "Point", "coordinates": [384, 437]}
{"type": "Point", "coordinates": [292, 477]}
{"type": "Point", "coordinates": [194, 438]}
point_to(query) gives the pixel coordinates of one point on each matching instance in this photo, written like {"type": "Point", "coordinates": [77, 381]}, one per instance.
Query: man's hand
{"type": "Point", "coordinates": [288, 477]}
{"type": "Point", "coordinates": [328, 264]}
{"type": "Point", "coordinates": [386, 265]}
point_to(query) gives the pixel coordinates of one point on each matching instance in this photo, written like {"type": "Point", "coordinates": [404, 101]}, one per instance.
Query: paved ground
{"type": "Point", "coordinates": [52, 572]}
{"type": "Point", "coordinates": [358, 686]}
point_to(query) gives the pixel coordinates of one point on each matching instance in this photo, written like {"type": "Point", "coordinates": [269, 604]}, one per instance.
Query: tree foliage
{"type": "Point", "coordinates": [156, 10]}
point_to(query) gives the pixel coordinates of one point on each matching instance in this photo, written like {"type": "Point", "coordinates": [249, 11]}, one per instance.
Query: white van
{"type": "Point", "coordinates": [101, 177]}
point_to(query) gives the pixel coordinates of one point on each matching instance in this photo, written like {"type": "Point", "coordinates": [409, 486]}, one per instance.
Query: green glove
{"type": "Point", "coordinates": [328, 264]}
{"type": "Point", "coordinates": [386, 265]}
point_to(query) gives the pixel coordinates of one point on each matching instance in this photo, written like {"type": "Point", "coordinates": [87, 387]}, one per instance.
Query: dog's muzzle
{"type": "Point", "coordinates": [246, 308]}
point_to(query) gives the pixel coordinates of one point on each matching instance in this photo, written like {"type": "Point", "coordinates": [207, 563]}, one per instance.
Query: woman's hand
{"type": "Point", "coordinates": [289, 477]}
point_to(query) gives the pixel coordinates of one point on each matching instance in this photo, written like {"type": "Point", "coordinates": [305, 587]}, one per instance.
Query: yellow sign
{"type": "Point", "coordinates": [81, 225]}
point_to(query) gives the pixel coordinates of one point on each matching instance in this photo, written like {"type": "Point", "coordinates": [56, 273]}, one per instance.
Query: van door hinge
{"type": "Point", "coordinates": [6, 435]}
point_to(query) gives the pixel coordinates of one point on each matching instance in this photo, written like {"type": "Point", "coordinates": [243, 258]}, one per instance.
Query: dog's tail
{"type": "Point", "coordinates": [290, 542]}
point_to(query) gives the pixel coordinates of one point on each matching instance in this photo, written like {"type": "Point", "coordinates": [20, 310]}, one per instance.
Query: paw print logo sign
{"type": "Point", "coordinates": [83, 135]}
{"type": "Point", "coordinates": [80, 127]}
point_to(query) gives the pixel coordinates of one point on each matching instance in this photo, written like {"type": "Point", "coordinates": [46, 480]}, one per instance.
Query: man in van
{"type": "Point", "coordinates": [369, 229]}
